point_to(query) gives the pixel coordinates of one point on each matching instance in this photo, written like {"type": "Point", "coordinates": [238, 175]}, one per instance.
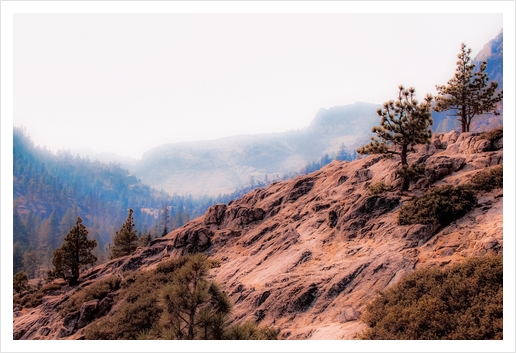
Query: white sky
{"type": "Point", "coordinates": [125, 83]}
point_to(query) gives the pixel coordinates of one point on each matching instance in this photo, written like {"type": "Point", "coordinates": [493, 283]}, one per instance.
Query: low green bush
{"type": "Point", "coordinates": [378, 188]}
{"type": "Point", "coordinates": [442, 204]}
{"type": "Point", "coordinates": [492, 135]}
{"type": "Point", "coordinates": [251, 331]}
{"type": "Point", "coordinates": [464, 301]}
{"type": "Point", "coordinates": [488, 180]}
{"type": "Point", "coordinates": [50, 287]}
{"type": "Point", "coordinates": [98, 290]}
{"type": "Point", "coordinates": [29, 299]}
{"type": "Point", "coordinates": [20, 282]}
{"type": "Point", "coordinates": [148, 302]}
{"type": "Point", "coordinates": [413, 172]}
{"type": "Point", "coordinates": [140, 309]}
{"type": "Point", "coordinates": [130, 319]}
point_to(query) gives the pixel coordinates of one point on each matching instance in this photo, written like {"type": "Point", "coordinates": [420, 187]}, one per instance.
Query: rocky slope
{"type": "Point", "coordinates": [306, 255]}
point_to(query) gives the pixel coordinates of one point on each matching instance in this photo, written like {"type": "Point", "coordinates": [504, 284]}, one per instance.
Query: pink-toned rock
{"type": "Point", "coordinates": [449, 138]}
{"type": "Point", "coordinates": [306, 255]}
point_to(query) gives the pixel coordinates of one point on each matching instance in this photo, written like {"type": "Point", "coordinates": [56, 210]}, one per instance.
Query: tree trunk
{"type": "Point", "coordinates": [463, 120]}
{"type": "Point", "coordinates": [191, 326]}
{"type": "Point", "coordinates": [75, 274]}
{"type": "Point", "coordinates": [406, 180]}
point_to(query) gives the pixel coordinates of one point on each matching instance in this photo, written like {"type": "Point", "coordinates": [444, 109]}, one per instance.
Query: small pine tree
{"type": "Point", "coordinates": [196, 308]}
{"type": "Point", "coordinates": [32, 262]}
{"type": "Point", "coordinates": [405, 122]}
{"type": "Point", "coordinates": [20, 281]}
{"type": "Point", "coordinates": [17, 258]}
{"type": "Point", "coordinates": [164, 220]}
{"type": "Point", "coordinates": [468, 93]}
{"type": "Point", "coordinates": [74, 254]}
{"type": "Point", "coordinates": [126, 240]}
{"type": "Point", "coordinates": [145, 239]}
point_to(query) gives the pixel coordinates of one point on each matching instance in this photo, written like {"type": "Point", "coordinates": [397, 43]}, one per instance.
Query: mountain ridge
{"type": "Point", "coordinates": [306, 255]}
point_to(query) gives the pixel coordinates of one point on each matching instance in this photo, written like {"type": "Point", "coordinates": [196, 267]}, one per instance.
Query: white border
{"type": "Point", "coordinates": [8, 8]}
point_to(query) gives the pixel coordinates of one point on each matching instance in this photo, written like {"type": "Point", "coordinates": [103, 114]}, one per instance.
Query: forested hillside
{"type": "Point", "coordinates": [52, 190]}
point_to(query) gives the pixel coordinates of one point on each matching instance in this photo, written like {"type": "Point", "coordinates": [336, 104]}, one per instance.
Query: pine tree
{"type": "Point", "coordinates": [405, 122]}
{"type": "Point", "coordinates": [20, 281]}
{"type": "Point", "coordinates": [50, 231]}
{"type": "Point", "coordinates": [343, 154]}
{"type": "Point", "coordinates": [126, 240]}
{"type": "Point", "coordinates": [195, 307]}
{"type": "Point", "coordinates": [17, 258]}
{"type": "Point", "coordinates": [145, 239]}
{"type": "Point", "coordinates": [468, 93]}
{"type": "Point", "coordinates": [74, 254]}
{"type": "Point", "coordinates": [164, 220]}
{"type": "Point", "coordinates": [20, 233]}
{"type": "Point", "coordinates": [32, 261]}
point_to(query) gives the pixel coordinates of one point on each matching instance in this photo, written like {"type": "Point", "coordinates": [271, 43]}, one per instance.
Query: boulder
{"type": "Point", "coordinates": [87, 313]}
{"type": "Point", "coordinates": [194, 239]}
{"type": "Point", "coordinates": [348, 314]}
{"type": "Point", "coordinates": [448, 138]}
{"type": "Point", "coordinates": [215, 214]}
{"type": "Point", "coordinates": [104, 306]}
{"type": "Point", "coordinates": [70, 320]}
{"type": "Point", "coordinates": [300, 188]}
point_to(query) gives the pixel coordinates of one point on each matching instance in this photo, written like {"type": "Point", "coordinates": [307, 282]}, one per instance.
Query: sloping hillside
{"type": "Point", "coordinates": [306, 255]}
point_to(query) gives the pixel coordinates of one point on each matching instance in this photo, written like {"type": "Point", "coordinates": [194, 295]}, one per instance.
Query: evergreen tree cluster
{"type": "Point", "coordinates": [52, 190]}
{"type": "Point", "coordinates": [469, 92]}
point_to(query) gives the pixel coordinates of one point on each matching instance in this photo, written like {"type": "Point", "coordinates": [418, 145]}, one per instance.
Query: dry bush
{"type": "Point", "coordinates": [442, 204]}
{"type": "Point", "coordinates": [98, 290]}
{"type": "Point", "coordinates": [379, 188]}
{"type": "Point", "coordinates": [491, 135]}
{"type": "Point", "coordinates": [142, 311]}
{"type": "Point", "coordinates": [464, 301]}
{"type": "Point", "coordinates": [30, 299]}
{"type": "Point", "coordinates": [488, 180]}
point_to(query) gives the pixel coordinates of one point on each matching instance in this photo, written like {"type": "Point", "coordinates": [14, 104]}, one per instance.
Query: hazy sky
{"type": "Point", "coordinates": [125, 83]}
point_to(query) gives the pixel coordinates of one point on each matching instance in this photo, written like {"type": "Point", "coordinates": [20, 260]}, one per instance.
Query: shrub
{"type": "Point", "coordinates": [98, 290]}
{"type": "Point", "coordinates": [29, 299]}
{"type": "Point", "coordinates": [412, 173]}
{"type": "Point", "coordinates": [151, 300]}
{"type": "Point", "coordinates": [464, 301]}
{"type": "Point", "coordinates": [492, 135]}
{"type": "Point", "coordinates": [488, 180]}
{"type": "Point", "coordinates": [379, 188]}
{"type": "Point", "coordinates": [442, 204]}
{"type": "Point", "coordinates": [20, 282]}
{"type": "Point", "coordinates": [32, 298]}
{"type": "Point", "coordinates": [250, 331]}
{"type": "Point", "coordinates": [50, 287]}
{"type": "Point", "coordinates": [140, 310]}
{"type": "Point", "coordinates": [129, 319]}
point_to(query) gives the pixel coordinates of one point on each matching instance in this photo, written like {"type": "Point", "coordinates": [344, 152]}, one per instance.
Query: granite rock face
{"type": "Point", "coordinates": [306, 255]}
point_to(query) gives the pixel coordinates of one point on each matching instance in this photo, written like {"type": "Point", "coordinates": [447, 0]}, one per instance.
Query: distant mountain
{"type": "Point", "coordinates": [493, 54]}
{"type": "Point", "coordinates": [103, 157]}
{"type": "Point", "coordinates": [305, 255]}
{"type": "Point", "coordinates": [220, 166]}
